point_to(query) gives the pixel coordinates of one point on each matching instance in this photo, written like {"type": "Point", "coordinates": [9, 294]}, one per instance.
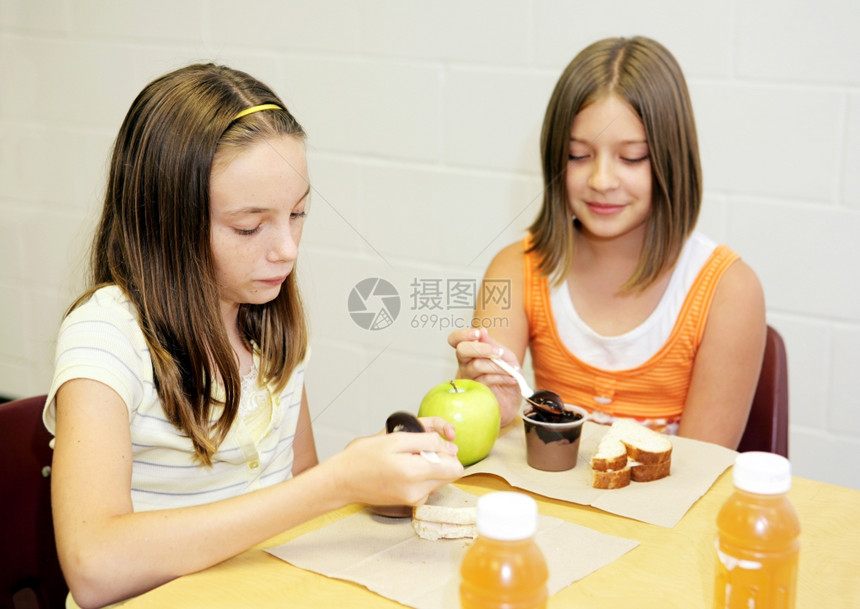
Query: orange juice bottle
{"type": "Point", "coordinates": [757, 539]}
{"type": "Point", "coordinates": [504, 568]}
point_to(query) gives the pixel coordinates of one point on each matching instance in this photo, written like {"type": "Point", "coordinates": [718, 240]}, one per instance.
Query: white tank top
{"type": "Point", "coordinates": [637, 346]}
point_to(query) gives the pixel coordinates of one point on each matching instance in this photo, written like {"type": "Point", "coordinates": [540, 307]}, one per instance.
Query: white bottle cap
{"type": "Point", "coordinates": [507, 516]}
{"type": "Point", "coordinates": [762, 473]}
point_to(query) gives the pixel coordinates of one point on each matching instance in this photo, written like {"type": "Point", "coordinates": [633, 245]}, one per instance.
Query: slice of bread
{"type": "Point", "coordinates": [449, 513]}
{"type": "Point", "coordinates": [435, 531]}
{"type": "Point", "coordinates": [643, 445]}
{"type": "Point", "coordinates": [611, 454]}
{"type": "Point", "coordinates": [445, 514]}
{"type": "Point", "coordinates": [630, 451]}
{"type": "Point", "coordinates": [639, 472]}
{"type": "Point", "coordinates": [614, 478]}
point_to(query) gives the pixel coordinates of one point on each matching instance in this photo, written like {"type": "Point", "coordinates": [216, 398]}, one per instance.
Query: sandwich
{"type": "Point", "coordinates": [449, 513]}
{"type": "Point", "coordinates": [435, 522]}
{"type": "Point", "coordinates": [630, 452]}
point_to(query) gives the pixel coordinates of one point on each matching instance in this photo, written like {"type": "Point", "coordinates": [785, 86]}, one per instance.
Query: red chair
{"type": "Point", "coordinates": [30, 573]}
{"type": "Point", "coordinates": [767, 426]}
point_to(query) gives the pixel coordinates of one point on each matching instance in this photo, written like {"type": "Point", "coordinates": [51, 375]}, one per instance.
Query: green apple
{"type": "Point", "coordinates": [473, 410]}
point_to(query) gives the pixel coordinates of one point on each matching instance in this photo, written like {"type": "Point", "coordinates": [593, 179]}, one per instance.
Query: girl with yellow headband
{"type": "Point", "coordinates": [182, 428]}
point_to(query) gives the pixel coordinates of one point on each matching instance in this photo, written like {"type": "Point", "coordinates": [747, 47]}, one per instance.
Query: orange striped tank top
{"type": "Point", "coordinates": [654, 392]}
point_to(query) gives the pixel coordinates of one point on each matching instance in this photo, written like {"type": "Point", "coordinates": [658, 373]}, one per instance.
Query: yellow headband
{"type": "Point", "coordinates": [253, 109]}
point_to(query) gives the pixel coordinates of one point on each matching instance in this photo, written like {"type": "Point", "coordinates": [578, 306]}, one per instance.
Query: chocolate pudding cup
{"type": "Point", "coordinates": [553, 447]}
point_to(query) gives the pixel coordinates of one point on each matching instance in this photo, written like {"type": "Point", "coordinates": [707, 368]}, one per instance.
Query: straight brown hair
{"type": "Point", "coordinates": [153, 241]}
{"type": "Point", "coordinates": [647, 76]}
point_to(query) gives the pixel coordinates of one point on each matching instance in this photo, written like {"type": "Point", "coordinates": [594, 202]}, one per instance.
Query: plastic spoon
{"type": "Point", "coordinates": [543, 399]}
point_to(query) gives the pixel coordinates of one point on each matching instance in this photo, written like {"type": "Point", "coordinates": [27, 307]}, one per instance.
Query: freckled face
{"type": "Point", "coordinates": [257, 207]}
{"type": "Point", "coordinates": [609, 169]}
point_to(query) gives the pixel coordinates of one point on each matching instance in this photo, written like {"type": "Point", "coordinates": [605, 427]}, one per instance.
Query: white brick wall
{"type": "Point", "coordinates": [423, 120]}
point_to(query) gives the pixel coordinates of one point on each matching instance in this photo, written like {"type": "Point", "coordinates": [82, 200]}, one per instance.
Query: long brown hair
{"type": "Point", "coordinates": [643, 73]}
{"type": "Point", "coordinates": [153, 241]}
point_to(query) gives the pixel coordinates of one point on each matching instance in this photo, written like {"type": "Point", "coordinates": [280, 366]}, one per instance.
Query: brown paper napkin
{"type": "Point", "coordinates": [386, 556]}
{"type": "Point", "coordinates": [695, 467]}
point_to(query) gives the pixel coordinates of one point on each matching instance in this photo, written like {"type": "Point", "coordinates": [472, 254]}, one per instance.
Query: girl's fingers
{"type": "Point", "coordinates": [458, 336]}
{"type": "Point", "coordinates": [497, 378]}
{"type": "Point", "coordinates": [469, 350]}
{"type": "Point", "coordinates": [439, 425]}
{"type": "Point", "coordinates": [416, 442]}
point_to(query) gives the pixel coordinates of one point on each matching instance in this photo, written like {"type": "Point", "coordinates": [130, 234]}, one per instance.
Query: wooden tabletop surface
{"type": "Point", "coordinates": [670, 568]}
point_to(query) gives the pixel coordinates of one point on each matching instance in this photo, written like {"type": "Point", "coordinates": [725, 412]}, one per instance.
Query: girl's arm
{"type": "Point", "coordinates": [109, 552]}
{"type": "Point", "coordinates": [500, 326]}
{"type": "Point", "coordinates": [304, 447]}
{"type": "Point", "coordinates": [728, 362]}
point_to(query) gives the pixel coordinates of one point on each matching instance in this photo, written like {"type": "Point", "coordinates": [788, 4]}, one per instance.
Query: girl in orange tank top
{"type": "Point", "coordinates": [622, 192]}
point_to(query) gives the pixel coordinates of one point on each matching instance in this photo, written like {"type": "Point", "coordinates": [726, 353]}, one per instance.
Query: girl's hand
{"type": "Point", "coordinates": [439, 425]}
{"type": "Point", "coordinates": [475, 350]}
{"type": "Point", "coordinates": [388, 469]}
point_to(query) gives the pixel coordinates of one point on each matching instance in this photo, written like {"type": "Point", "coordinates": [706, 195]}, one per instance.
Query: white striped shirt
{"type": "Point", "coordinates": [102, 340]}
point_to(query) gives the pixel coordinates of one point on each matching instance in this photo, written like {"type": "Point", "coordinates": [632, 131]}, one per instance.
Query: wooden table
{"type": "Point", "coordinates": [670, 568]}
